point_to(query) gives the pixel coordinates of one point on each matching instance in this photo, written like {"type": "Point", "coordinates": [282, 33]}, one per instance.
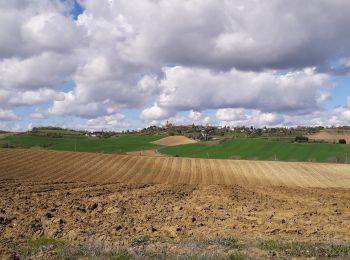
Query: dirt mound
{"type": "Point", "coordinates": [174, 140]}
{"type": "Point", "coordinates": [39, 165]}
{"type": "Point", "coordinates": [330, 137]}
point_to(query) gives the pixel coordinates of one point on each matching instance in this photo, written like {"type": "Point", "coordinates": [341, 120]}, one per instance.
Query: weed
{"type": "Point", "coordinates": [144, 240]}
{"type": "Point", "coordinates": [93, 253]}
{"type": "Point", "coordinates": [31, 247]}
{"type": "Point", "coordinates": [43, 242]}
{"type": "Point", "coordinates": [299, 249]}
{"type": "Point", "coordinates": [119, 255]}
{"type": "Point", "coordinates": [231, 242]}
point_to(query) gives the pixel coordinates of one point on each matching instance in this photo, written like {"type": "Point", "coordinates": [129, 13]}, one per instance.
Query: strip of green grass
{"type": "Point", "coordinates": [121, 144]}
{"type": "Point", "coordinates": [59, 132]}
{"type": "Point", "coordinates": [262, 149]}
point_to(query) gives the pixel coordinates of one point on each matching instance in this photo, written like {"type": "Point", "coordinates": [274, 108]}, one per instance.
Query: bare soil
{"type": "Point", "coordinates": [118, 214]}
{"type": "Point", "coordinates": [330, 137]}
{"type": "Point", "coordinates": [72, 197]}
{"type": "Point", "coordinates": [146, 153]}
{"type": "Point", "coordinates": [174, 140]}
{"type": "Point", "coordinates": [44, 165]}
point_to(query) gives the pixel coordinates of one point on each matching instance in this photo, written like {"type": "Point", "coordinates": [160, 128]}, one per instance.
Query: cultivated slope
{"type": "Point", "coordinates": [174, 140]}
{"type": "Point", "coordinates": [42, 165]}
{"type": "Point", "coordinates": [330, 137]}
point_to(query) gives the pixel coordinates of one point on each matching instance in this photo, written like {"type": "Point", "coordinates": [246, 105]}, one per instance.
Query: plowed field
{"type": "Point", "coordinates": [39, 165]}
{"type": "Point", "coordinates": [174, 141]}
{"type": "Point", "coordinates": [330, 137]}
{"type": "Point", "coordinates": [151, 204]}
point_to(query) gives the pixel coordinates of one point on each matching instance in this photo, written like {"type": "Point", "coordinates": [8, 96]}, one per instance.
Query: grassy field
{"type": "Point", "coordinates": [59, 131]}
{"type": "Point", "coordinates": [121, 144]}
{"type": "Point", "coordinates": [262, 149]}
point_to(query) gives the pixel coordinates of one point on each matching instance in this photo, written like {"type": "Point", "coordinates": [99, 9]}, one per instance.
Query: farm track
{"type": "Point", "coordinates": [51, 166]}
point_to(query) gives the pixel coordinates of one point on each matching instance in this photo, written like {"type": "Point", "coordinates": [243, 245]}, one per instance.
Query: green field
{"type": "Point", "coordinates": [59, 132]}
{"type": "Point", "coordinates": [121, 144]}
{"type": "Point", "coordinates": [262, 149]}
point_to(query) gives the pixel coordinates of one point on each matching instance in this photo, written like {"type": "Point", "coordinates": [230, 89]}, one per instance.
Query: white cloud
{"type": "Point", "coordinates": [231, 114]}
{"type": "Point", "coordinates": [8, 115]}
{"type": "Point", "coordinates": [225, 34]}
{"type": "Point", "coordinates": [228, 55]}
{"type": "Point", "coordinates": [155, 113]}
{"type": "Point", "coordinates": [189, 88]}
{"type": "Point", "coordinates": [243, 117]}
{"type": "Point", "coordinates": [115, 122]}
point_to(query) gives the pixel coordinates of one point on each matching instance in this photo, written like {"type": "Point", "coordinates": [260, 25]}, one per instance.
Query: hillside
{"type": "Point", "coordinates": [262, 149]}
{"type": "Point", "coordinates": [174, 141]}
{"type": "Point", "coordinates": [103, 168]}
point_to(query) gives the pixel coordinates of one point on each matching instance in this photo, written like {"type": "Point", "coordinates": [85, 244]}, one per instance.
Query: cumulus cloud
{"type": "Point", "coordinates": [8, 115]}
{"type": "Point", "coordinates": [181, 56]}
{"type": "Point", "coordinates": [26, 98]}
{"type": "Point", "coordinates": [155, 113]}
{"type": "Point", "coordinates": [244, 117]}
{"type": "Point", "coordinates": [37, 51]}
{"type": "Point", "coordinates": [226, 34]}
{"type": "Point", "coordinates": [192, 117]}
{"type": "Point", "coordinates": [105, 123]}
{"type": "Point", "coordinates": [189, 88]}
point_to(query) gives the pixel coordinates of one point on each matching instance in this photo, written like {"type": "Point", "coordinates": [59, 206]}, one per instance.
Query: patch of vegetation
{"type": "Point", "coordinates": [231, 242]}
{"type": "Point", "coordinates": [261, 149]}
{"type": "Point", "coordinates": [301, 139]}
{"type": "Point", "coordinates": [42, 242]}
{"type": "Point", "coordinates": [342, 141]}
{"type": "Point", "coordinates": [33, 246]}
{"type": "Point", "coordinates": [93, 253]}
{"type": "Point", "coordinates": [299, 249]}
{"type": "Point", "coordinates": [140, 241]}
{"type": "Point", "coordinates": [120, 144]}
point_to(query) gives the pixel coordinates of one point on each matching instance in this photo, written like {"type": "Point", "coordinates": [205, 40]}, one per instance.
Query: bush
{"type": "Point", "coordinates": [301, 139]}
{"type": "Point", "coordinates": [342, 141]}
{"type": "Point", "coordinates": [6, 145]}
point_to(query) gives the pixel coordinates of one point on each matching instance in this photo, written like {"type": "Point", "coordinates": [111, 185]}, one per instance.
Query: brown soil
{"type": "Point", "coordinates": [330, 137]}
{"type": "Point", "coordinates": [81, 197]}
{"type": "Point", "coordinates": [44, 165]}
{"type": "Point", "coordinates": [79, 212]}
{"type": "Point", "coordinates": [174, 140]}
{"type": "Point", "coordinates": [146, 153]}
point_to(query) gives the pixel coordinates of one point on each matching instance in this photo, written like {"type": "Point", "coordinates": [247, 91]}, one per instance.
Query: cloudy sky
{"type": "Point", "coordinates": [118, 64]}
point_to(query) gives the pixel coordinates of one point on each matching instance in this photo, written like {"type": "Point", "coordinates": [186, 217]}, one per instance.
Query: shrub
{"type": "Point", "coordinates": [342, 141]}
{"type": "Point", "coordinates": [301, 139]}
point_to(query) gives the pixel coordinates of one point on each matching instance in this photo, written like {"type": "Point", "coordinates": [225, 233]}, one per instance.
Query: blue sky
{"type": "Point", "coordinates": [110, 68]}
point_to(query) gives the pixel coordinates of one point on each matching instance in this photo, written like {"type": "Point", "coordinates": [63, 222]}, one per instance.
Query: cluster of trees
{"type": "Point", "coordinates": [342, 141]}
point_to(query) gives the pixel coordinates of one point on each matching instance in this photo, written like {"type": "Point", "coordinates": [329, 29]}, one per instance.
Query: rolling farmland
{"type": "Point", "coordinates": [121, 144]}
{"type": "Point", "coordinates": [263, 149]}
{"type": "Point", "coordinates": [330, 136]}
{"type": "Point", "coordinates": [103, 168]}
{"type": "Point", "coordinates": [174, 141]}
{"type": "Point", "coordinates": [130, 201]}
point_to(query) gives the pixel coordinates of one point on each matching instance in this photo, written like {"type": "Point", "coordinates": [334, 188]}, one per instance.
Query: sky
{"type": "Point", "coordinates": [128, 64]}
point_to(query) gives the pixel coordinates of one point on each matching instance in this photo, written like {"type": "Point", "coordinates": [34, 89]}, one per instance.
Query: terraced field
{"type": "Point", "coordinates": [43, 165]}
